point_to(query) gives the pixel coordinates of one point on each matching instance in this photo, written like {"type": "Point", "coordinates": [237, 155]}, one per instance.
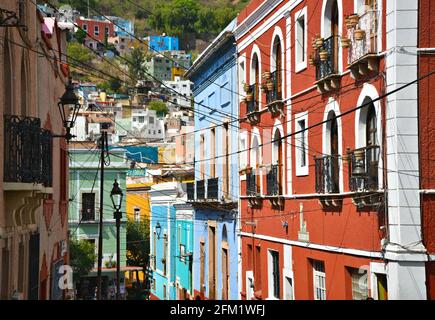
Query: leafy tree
{"type": "Point", "coordinates": [159, 106]}
{"type": "Point", "coordinates": [80, 5]}
{"type": "Point", "coordinates": [136, 66]}
{"type": "Point", "coordinates": [82, 257]}
{"type": "Point", "coordinates": [80, 36]}
{"type": "Point", "coordinates": [138, 243]}
{"type": "Point", "coordinates": [79, 54]}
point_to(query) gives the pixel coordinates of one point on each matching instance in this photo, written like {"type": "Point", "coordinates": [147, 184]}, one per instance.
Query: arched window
{"type": "Point", "coordinates": [331, 163]}
{"type": "Point", "coordinates": [331, 31]}
{"type": "Point", "coordinates": [371, 126]}
{"type": "Point", "coordinates": [8, 94]}
{"type": "Point", "coordinates": [277, 57]}
{"type": "Point", "coordinates": [256, 80]}
{"type": "Point", "coordinates": [277, 158]}
{"type": "Point", "coordinates": [224, 233]}
{"type": "Point", "coordinates": [23, 88]}
{"type": "Point", "coordinates": [255, 161]}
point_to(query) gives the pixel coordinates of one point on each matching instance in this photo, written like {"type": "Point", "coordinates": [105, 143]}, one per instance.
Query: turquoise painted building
{"type": "Point", "coordinates": [84, 213]}
{"type": "Point", "coordinates": [171, 245]}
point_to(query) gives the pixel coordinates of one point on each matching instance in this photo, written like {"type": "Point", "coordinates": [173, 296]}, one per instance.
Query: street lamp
{"type": "Point", "coordinates": [116, 196]}
{"type": "Point", "coordinates": [68, 103]}
{"type": "Point", "coordinates": [158, 230]}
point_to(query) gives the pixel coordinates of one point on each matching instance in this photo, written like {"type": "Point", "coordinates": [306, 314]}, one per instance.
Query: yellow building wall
{"type": "Point", "coordinates": [140, 200]}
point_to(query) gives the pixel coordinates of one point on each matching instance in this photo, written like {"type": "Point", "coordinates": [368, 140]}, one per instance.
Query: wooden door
{"type": "Point", "coordinates": [278, 70]}
{"type": "Point", "coordinates": [225, 274]}
{"type": "Point", "coordinates": [212, 263]}
{"type": "Point", "coordinates": [335, 33]}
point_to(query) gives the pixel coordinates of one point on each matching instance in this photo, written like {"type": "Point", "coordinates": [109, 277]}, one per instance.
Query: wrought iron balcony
{"type": "Point", "coordinates": [252, 105]}
{"type": "Point", "coordinates": [213, 189]}
{"type": "Point", "coordinates": [190, 186]}
{"type": "Point", "coordinates": [200, 189]}
{"type": "Point", "coordinates": [327, 65]}
{"type": "Point", "coordinates": [363, 36]}
{"type": "Point", "coordinates": [252, 187]}
{"type": "Point", "coordinates": [326, 174]}
{"type": "Point", "coordinates": [276, 93]}
{"type": "Point", "coordinates": [273, 183]}
{"type": "Point", "coordinates": [363, 169]}
{"type": "Point", "coordinates": [27, 151]}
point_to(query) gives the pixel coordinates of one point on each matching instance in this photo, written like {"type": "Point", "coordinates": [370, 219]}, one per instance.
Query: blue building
{"type": "Point", "coordinates": [171, 245]}
{"type": "Point", "coordinates": [214, 195]}
{"type": "Point", "coordinates": [122, 27]}
{"type": "Point", "coordinates": [163, 43]}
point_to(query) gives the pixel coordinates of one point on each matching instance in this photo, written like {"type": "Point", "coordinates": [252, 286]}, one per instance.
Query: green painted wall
{"type": "Point", "coordinates": [84, 166]}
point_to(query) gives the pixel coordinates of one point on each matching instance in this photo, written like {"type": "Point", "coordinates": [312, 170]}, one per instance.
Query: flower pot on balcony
{"type": "Point", "coordinates": [266, 75]}
{"type": "Point", "coordinates": [359, 34]}
{"type": "Point", "coordinates": [314, 44]}
{"type": "Point", "coordinates": [269, 85]}
{"type": "Point", "coordinates": [359, 155]}
{"type": "Point", "coordinates": [345, 42]}
{"type": "Point", "coordinates": [319, 42]}
{"type": "Point", "coordinates": [348, 23]}
{"type": "Point", "coordinates": [323, 55]}
{"type": "Point", "coordinates": [353, 19]}
{"type": "Point", "coordinates": [311, 61]}
{"type": "Point", "coordinates": [249, 97]}
{"type": "Point", "coordinates": [246, 87]}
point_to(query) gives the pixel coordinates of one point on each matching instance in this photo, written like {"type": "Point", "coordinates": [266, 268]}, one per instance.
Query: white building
{"type": "Point", "coordinates": [146, 124]}
{"type": "Point", "coordinates": [184, 90]}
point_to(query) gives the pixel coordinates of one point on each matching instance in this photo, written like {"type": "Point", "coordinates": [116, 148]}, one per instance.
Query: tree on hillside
{"type": "Point", "coordinates": [159, 106]}
{"type": "Point", "coordinates": [79, 54]}
{"type": "Point", "coordinates": [80, 36]}
{"type": "Point", "coordinates": [80, 5]}
{"type": "Point", "coordinates": [82, 257]}
{"type": "Point", "coordinates": [136, 65]}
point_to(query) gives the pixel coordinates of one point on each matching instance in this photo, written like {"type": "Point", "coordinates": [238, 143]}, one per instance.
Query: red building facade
{"type": "Point", "coordinates": [330, 177]}
{"type": "Point", "coordinates": [97, 30]}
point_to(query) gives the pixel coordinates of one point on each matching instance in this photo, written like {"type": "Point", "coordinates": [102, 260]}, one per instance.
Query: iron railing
{"type": "Point", "coordinates": [327, 174]}
{"type": "Point", "coordinates": [27, 151]}
{"type": "Point", "coordinates": [213, 188]}
{"type": "Point", "coordinates": [272, 177]}
{"type": "Point", "coordinates": [190, 189]}
{"type": "Point", "coordinates": [368, 22]}
{"type": "Point", "coordinates": [276, 93]}
{"type": "Point", "coordinates": [363, 169]}
{"type": "Point", "coordinates": [200, 189]}
{"type": "Point", "coordinates": [252, 105]}
{"type": "Point", "coordinates": [330, 65]}
{"type": "Point", "coordinates": [252, 188]}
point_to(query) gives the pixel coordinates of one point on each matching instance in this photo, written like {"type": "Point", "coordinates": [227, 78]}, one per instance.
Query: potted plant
{"type": "Point", "coordinates": [359, 34]}
{"type": "Point", "coordinates": [249, 96]}
{"type": "Point", "coordinates": [348, 22]}
{"type": "Point", "coordinates": [311, 61]}
{"type": "Point", "coordinates": [314, 44]}
{"type": "Point", "coordinates": [264, 87]}
{"type": "Point", "coordinates": [246, 87]}
{"type": "Point", "coordinates": [266, 75]}
{"type": "Point", "coordinates": [323, 55]}
{"type": "Point", "coordinates": [269, 85]}
{"type": "Point", "coordinates": [345, 42]}
{"type": "Point", "coordinates": [319, 42]}
{"type": "Point", "coordinates": [354, 19]}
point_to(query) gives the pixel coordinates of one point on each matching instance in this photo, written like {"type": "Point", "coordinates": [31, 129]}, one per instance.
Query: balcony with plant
{"type": "Point", "coordinates": [272, 86]}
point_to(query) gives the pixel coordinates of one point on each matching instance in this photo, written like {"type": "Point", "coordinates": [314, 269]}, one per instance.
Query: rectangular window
{"type": "Point", "coordinates": [212, 152]}
{"type": "Point", "coordinates": [257, 271]}
{"type": "Point", "coordinates": [151, 120]}
{"type": "Point", "coordinates": [249, 257]}
{"type": "Point", "coordinates": [85, 27]}
{"type": "Point", "coordinates": [137, 214]}
{"type": "Point", "coordinates": [301, 39]}
{"type": "Point", "coordinates": [141, 119]}
{"type": "Point", "coordinates": [202, 155]}
{"type": "Point", "coordinates": [319, 280]}
{"type": "Point", "coordinates": [165, 252]}
{"type": "Point", "coordinates": [164, 292]}
{"type": "Point", "coordinates": [360, 289]}
{"type": "Point", "coordinates": [273, 265]}
{"type": "Point", "coordinates": [88, 206]}
{"type": "Point", "coordinates": [301, 144]}
{"type": "Point", "coordinates": [96, 30]}
{"type": "Point", "coordinates": [106, 29]}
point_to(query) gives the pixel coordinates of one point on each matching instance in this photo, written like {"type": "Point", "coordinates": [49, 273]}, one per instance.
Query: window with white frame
{"type": "Point", "coordinates": [360, 288]}
{"type": "Point", "coordinates": [85, 27]}
{"type": "Point", "coordinates": [96, 30]}
{"type": "Point", "coordinates": [242, 76]}
{"type": "Point", "coordinates": [319, 280]}
{"type": "Point", "coordinates": [243, 146]}
{"type": "Point", "coordinates": [137, 214]}
{"type": "Point", "coordinates": [301, 39]}
{"type": "Point", "coordinates": [274, 274]}
{"type": "Point", "coordinates": [301, 143]}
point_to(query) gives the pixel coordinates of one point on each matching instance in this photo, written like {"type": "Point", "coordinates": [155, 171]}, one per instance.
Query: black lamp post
{"type": "Point", "coordinates": [69, 107]}
{"type": "Point", "coordinates": [158, 230]}
{"type": "Point", "coordinates": [116, 196]}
